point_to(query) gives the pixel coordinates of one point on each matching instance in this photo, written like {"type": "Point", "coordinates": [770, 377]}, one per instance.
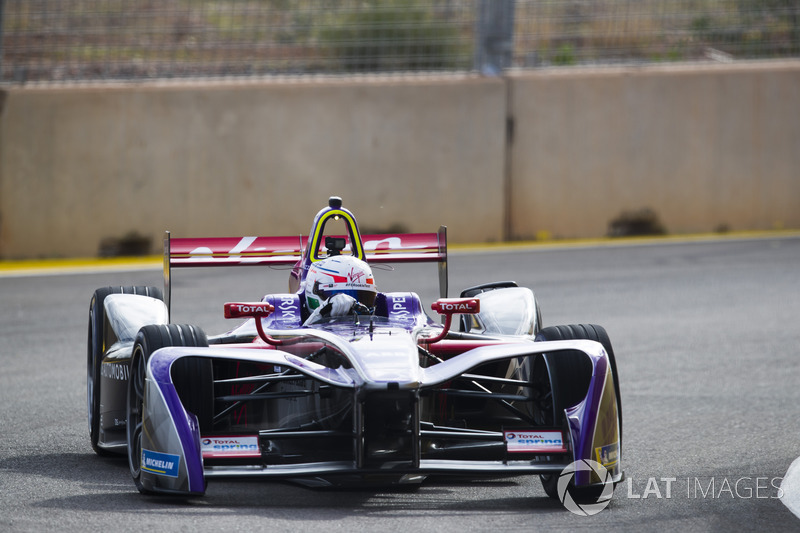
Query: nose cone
{"type": "Point", "coordinates": [389, 358]}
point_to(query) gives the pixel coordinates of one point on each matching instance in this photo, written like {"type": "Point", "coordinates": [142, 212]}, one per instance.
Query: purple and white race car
{"type": "Point", "coordinates": [380, 393]}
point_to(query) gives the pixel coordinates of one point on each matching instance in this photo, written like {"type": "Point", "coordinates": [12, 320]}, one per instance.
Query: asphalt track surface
{"type": "Point", "coordinates": [706, 335]}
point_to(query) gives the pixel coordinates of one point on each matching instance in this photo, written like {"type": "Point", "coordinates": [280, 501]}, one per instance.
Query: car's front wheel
{"type": "Point", "coordinates": [571, 375]}
{"type": "Point", "coordinates": [148, 340]}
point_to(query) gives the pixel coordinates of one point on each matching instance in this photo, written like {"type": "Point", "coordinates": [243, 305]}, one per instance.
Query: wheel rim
{"type": "Point", "coordinates": [135, 413]}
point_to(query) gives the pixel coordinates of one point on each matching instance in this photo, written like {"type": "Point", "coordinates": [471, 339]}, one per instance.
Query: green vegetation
{"type": "Point", "coordinates": [565, 55]}
{"type": "Point", "coordinates": [84, 39]}
{"type": "Point", "coordinates": [394, 35]}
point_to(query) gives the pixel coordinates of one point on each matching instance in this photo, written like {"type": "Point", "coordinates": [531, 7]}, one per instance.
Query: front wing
{"type": "Point", "coordinates": [173, 448]}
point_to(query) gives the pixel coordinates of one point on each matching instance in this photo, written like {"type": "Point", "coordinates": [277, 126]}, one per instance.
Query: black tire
{"type": "Point", "coordinates": [575, 365]}
{"type": "Point", "coordinates": [590, 494]}
{"type": "Point", "coordinates": [96, 349]}
{"type": "Point", "coordinates": [197, 398]}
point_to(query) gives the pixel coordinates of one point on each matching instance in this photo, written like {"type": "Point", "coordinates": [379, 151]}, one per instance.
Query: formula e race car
{"type": "Point", "coordinates": [377, 392]}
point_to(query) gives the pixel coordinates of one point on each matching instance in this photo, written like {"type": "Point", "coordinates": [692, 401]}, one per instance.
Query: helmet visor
{"type": "Point", "coordinates": [364, 294]}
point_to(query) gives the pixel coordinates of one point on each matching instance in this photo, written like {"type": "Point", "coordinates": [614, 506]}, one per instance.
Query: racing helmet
{"type": "Point", "coordinates": [339, 274]}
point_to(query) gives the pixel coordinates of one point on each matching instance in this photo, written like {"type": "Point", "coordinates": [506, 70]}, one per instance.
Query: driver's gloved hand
{"type": "Point", "coordinates": [340, 304]}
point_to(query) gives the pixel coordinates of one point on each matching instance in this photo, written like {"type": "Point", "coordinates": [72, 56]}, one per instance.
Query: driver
{"type": "Point", "coordinates": [337, 286]}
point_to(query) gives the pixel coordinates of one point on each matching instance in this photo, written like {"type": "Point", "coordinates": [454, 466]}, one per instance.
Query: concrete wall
{"type": "Point", "coordinates": [703, 147]}
{"type": "Point", "coordinates": [82, 164]}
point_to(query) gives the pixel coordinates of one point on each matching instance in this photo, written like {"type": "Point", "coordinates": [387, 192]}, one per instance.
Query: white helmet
{"type": "Point", "coordinates": [339, 274]}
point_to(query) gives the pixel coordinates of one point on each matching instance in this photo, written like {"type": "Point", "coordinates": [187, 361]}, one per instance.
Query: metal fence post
{"type": "Point", "coordinates": [494, 42]}
{"type": "Point", "coordinates": [494, 46]}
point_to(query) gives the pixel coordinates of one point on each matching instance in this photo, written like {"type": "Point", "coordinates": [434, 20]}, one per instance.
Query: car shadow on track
{"type": "Point", "coordinates": [88, 482]}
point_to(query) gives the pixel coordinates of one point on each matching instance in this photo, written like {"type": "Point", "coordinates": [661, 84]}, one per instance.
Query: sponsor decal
{"type": "Point", "coordinates": [236, 446]}
{"type": "Point", "coordinates": [204, 252]}
{"type": "Point", "coordinates": [389, 243]}
{"type": "Point", "coordinates": [607, 455]}
{"type": "Point", "coordinates": [118, 371]}
{"type": "Point", "coordinates": [344, 285]}
{"type": "Point", "coordinates": [456, 307]}
{"type": "Point", "coordinates": [252, 309]}
{"type": "Point", "coordinates": [255, 309]}
{"type": "Point", "coordinates": [535, 441]}
{"type": "Point", "coordinates": [289, 309]}
{"type": "Point", "coordinates": [399, 309]}
{"type": "Point", "coordinates": [239, 310]}
{"type": "Point", "coordinates": [448, 306]}
{"type": "Point", "coordinates": [162, 464]}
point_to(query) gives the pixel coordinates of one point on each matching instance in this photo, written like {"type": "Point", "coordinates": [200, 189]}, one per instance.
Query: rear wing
{"type": "Point", "coordinates": [269, 251]}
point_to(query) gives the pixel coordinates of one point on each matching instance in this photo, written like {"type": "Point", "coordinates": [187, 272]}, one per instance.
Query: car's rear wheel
{"type": "Point", "coordinates": [566, 393]}
{"type": "Point", "coordinates": [96, 350]}
{"type": "Point", "coordinates": [197, 399]}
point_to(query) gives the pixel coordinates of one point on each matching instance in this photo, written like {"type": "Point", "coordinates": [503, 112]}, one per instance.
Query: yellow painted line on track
{"type": "Point", "coordinates": [41, 267]}
{"type": "Point", "coordinates": [623, 241]}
